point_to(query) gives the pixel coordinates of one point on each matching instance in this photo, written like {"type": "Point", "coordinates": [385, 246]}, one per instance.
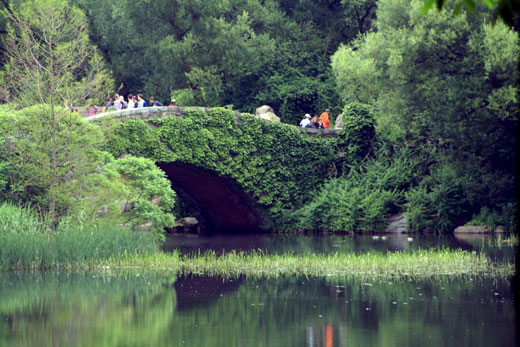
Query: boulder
{"type": "Point", "coordinates": [189, 221]}
{"type": "Point", "coordinates": [187, 225]}
{"type": "Point", "coordinates": [338, 124]}
{"type": "Point", "coordinates": [500, 229]}
{"type": "Point", "coordinates": [266, 112]}
{"type": "Point", "coordinates": [472, 229]}
{"type": "Point", "coordinates": [397, 223]}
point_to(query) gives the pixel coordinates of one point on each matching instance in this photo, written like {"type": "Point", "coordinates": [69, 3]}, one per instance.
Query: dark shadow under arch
{"type": "Point", "coordinates": [219, 203]}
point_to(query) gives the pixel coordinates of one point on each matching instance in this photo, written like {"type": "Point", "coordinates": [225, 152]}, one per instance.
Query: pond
{"type": "Point", "coordinates": [158, 308]}
{"type": "Point", "coordinates": [358, 243]}
{"type": "Point", "coordinates": [133, 308]}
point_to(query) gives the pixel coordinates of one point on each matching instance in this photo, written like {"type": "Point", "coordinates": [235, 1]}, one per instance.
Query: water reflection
{"type": "Point", "coordinates": [150, 309]}
{"type": "Point", "coordinates": [193, 291]}
{"type": "Point", "coordinates": [308, 244]}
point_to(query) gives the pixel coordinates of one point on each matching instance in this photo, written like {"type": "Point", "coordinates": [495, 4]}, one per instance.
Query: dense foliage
{"type": "Point", "coordinates": [90, 183]}
{"type": "Point", "coordinates": [275, 162]}
{"type": "Point", "coordinates": [360, 200]}
{"type": "Point", "coordinates": [146, 194]}
{"type": "Point", "coordinates": [27, 155]}
{"type": "Point", "coordinates": [429, 123]}
{"type": "Point", "coordinates": [355, 140]}
{"type": "Point", "coordinates": [445, 87]}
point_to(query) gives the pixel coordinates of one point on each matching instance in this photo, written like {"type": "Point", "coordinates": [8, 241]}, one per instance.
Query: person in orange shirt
{"type": "Point", "coordinates": [325, 118]}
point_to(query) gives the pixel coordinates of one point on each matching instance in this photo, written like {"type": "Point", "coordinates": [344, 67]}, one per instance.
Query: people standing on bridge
{"type": "Point", "coordinates": [314, 122]}
{"type": "Point", "coordinates": [173, 103]}
{"type": "Point", "coordinates": [91, 109]}
{"type": "Point", "coordinates": [134, 99]}
{"type": "Point", "coordinates": [117, 103]}
{"type": "Point", "coordinates": [107, 103]}
{"type": "Point", "coordinates": [154, 103]}
{"type": "Point", "coordinates": [324, 117]}
{"type": "Point", "coordinates": [123, 102]}
{"type": "Point", "coordinates": [141, 102]}
{"type": "Point", "coordinates": [131, 102]}
{"type": "Point", "coordinates": [306, 121]}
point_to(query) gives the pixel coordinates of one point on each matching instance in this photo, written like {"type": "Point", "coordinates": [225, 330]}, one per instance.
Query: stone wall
{"type": "Point", "coordinates": [179, 111]}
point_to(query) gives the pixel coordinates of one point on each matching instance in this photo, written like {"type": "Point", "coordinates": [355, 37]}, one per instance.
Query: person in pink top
{"type": "Point", "coordinates": [92, 109]}
{"type": "Point", "coordinates": [324, 117]}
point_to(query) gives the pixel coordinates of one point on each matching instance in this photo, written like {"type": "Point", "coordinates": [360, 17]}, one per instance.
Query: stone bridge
{"type": "Point", "coordinates": [233, 172]}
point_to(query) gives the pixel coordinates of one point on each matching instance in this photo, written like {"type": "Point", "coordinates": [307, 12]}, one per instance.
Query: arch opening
{"type": "Point", "coordinates": [218, 203]}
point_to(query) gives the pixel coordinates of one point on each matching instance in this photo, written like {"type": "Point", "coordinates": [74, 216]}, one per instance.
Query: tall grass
{"type": "Point", "coordinates": [16, 219]}
{"type": "Point", "coordinates": [25, 242]}
{"type": "Point", "coordinates": [419, 264]}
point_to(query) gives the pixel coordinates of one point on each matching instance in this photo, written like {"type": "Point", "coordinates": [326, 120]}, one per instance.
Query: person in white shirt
{"type": "Point", "coordinates": [306, 121]}
{"type": "Point", "coordinates": [131, 103]}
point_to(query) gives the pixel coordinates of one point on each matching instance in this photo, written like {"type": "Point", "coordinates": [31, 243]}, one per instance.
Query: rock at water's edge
{"type": "Point", "coordinates": [472, 229]}
{"type": "Point", "coordinates": [397, 223]}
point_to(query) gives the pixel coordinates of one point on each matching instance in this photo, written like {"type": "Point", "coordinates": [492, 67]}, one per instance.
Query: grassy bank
{"type": "Point", "coordinates": [420, 264]}
{"type": "Point", "coordinates": [27, 243]}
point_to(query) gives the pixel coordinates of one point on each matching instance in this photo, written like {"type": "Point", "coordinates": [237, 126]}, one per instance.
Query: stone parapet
{"type": "Point", "coordinates": [179, 111]}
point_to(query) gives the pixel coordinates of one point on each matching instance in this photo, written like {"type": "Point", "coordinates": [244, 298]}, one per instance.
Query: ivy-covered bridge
{"type": "Point", "coordinates": [234, 172]}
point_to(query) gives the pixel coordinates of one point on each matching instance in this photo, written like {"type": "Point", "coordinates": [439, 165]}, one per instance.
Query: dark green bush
{"type": "Point", "coordinates": [505, 216]}
{"type": "Point", "coordinates": [355, 141]}
{"type": "Point", "coordinates": [436, 202]}
{"type": "Point", "coordinates": [359, 201]}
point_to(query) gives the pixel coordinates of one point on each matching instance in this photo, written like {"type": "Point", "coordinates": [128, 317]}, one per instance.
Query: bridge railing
{"type": "Point", "coordinates": [178, 111]}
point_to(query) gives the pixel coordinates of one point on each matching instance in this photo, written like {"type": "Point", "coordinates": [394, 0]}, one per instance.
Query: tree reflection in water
{"type": "Point", "coordinates": [157, 309]}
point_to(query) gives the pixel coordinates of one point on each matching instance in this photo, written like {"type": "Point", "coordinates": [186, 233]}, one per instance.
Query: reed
{"type": "Point", "coordinates": [27, 244]}
{"type": "Point", "coordinates": [509, 240]}
{"type": "Point", "coordinates": [420, 264]}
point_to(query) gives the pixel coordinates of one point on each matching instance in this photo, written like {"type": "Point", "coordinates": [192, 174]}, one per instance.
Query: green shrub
{"type": "Point", "coordinates": [359, 201]}
{"type": "Point", "coordinates": [506, 216]}
{"type": "Point", "coordinates": [436, 202]}
{"type": "Point", "coordinates": [356, 138]}
{"type": "Point", "coordinates": [184, 97]}
{"type": "Point", "coordinates": [145, 188]}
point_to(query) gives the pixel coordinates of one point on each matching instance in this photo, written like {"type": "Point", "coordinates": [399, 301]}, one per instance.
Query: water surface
{"type": "Point", "coordinates": [328, 244]}
{"type": "Point", "coordinates": [157, 309]}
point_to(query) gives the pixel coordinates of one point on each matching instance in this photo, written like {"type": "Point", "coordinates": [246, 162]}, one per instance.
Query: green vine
{"type": "Point", "coordinates": [274, 162]}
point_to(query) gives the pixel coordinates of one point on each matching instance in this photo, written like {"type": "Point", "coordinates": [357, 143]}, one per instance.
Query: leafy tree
{"type": "Point", "coordinates": [35, 173]}
{"type": "Point", "coordinates": [357, 136]}
{"type": "Point", "coordinates": [507, 10]}
{"type": "Point", "coordinates": [51, 61]}
{"type": "Point", "coordinates": [237, 52]}
{"type": "Point", "coordinates": [443, 82]}
{"type": "Point", "coordinates": [130, 191]}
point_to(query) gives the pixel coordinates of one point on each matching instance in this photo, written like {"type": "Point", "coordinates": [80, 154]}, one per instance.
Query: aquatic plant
{"type": "Point", "coordinates": [419, 264]}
